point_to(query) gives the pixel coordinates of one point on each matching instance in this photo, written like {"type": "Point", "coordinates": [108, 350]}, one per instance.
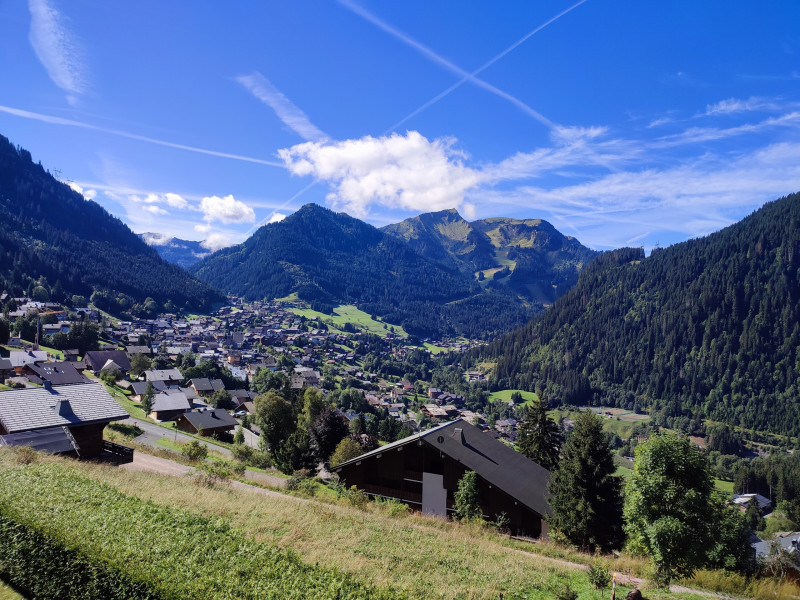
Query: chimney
{"type": "Point", "coordinates": [458, 434]}
{"type": "Point", "coordinates": [48, 385]}
{"type": "Point", "coordinates": [63, 408]}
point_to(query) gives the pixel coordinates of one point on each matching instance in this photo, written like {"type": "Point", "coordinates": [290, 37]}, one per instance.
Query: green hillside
{"type": "Point", "coordinates": [708, 328]}
{"type": "Point", "coordinates": [330, 259]}
{"type": "Point", "coordinates": [54, 239]}
{"type": "Point", "coordinates": [520, 258]}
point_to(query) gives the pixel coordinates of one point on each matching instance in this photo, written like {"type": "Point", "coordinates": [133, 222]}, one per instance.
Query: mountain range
{"type": "Point", "coordinates": [434, 274]}
{"type": "Point", "coordinates": [704, 329]}
{"type": "Point", "coordinates": [183, 253]}
{"type": "Point", "coordinates": [55, 244]}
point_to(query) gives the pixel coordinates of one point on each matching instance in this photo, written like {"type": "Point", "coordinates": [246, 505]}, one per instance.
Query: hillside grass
{"type": "Point", "coordinates": [347, 313]}
{"type": "Point", "coordinates": [505, 396]}
{"type": "Point", "coordinates": [8, 593]}
{"type": "Point", "coordinates": [421, 556]}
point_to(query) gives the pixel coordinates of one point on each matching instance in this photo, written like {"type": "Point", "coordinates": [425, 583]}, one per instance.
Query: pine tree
{"type": "Point", "coordinates": [585, 495]}
{"type": "Point", "coordinates": [148, 398]}
{"type": "Point", "coordinates": [539, 437]}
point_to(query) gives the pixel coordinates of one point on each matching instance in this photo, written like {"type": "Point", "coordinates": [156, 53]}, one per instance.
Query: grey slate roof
{"type": "Point", "coordinates": [58, 373]}
{"type": "Point", "coordinates": [210, 419]}
{"type": "Point", "coordinates": [140, 386]}
{"type": "Point", "coordinates": [5, 364]}
{"type": "Point", "coordinates": [97, 358]}
{"type": "Point", "coordinates": [170, 400]}
{"type": "Point", "coordinates": [20, 358]}
{"type": "Point", "coordinates": [510, 471]}
{"type": "Point", "coordinates": [202, 384]}
{"type": "Point", "coordinates": [163, 375]}
{"type": "Point", "coordinates": [39, 408]}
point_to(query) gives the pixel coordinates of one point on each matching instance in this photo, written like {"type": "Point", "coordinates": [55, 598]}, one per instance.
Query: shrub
{"type": "Point", "coordinates": [357, 498]}
{"type": "Point", "coordinates": [395, 508]}
{"type": "Point", "coordinates": [25, 455]}
{"type": "Point", "coordinates": [242, 453]}
{"type": "Point", "coordinates": [599, 576]}
{"type": "Point", "coordinates": [194, 451]}
{"type": "Point", "coordinates": [566, 593]}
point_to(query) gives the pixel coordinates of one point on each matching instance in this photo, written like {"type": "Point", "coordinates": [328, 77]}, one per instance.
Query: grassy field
{"type": "Point", "coordinates": [421, 556]}
{"type": "Point", "coordinates": [424, 557]}
{"type": "Point", "coordinates": [505, 396]}
{"type": "Point", "coordinates": [7, 593]}
{"type": "Point", "coordinates": [621, 426]}
{"type": "Point", "coordinates": [347, 313]}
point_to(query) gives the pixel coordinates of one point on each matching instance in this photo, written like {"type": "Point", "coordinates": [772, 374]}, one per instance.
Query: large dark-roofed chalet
{"type": "Point", "coordinates": [423, 471]}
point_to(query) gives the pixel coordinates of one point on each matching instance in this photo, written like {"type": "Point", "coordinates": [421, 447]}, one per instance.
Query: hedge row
{"type": "Point", "coordinates": [63, 535]}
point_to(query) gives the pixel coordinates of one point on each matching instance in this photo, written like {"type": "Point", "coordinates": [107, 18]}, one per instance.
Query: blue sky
{"type": "Point", "coordinates": [622, 123]}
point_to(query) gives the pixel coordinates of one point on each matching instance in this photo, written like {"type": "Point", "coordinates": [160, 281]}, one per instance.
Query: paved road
{"type": "Point", "coordinates": [153, 433]}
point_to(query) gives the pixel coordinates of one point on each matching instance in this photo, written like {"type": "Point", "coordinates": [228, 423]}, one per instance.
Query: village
{"type": "Point", "coordinates": [199, 376]}
{"type": "Point", "coordinates": [240, 339]}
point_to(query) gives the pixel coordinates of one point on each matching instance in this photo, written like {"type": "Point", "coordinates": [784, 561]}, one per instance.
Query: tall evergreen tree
{"type": "Point", "coordinates": [585, 495]}
{"type": "Point", "coordinates": [467, 499]}
{"type": "Point", "coordinates": [148, 398]}
{"type": "Point", "coordinates": [539, 437]}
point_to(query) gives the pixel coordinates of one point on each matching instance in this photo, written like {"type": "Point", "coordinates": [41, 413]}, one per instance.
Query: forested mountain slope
{"type": "Point", "coordinates": [527, 258]}
{"type": "Point", "coordinates": [705, 328]}
{"type": "Point", "coordinates": [50, 231]}
{"type": "Point", "coordinates": [330, 258]}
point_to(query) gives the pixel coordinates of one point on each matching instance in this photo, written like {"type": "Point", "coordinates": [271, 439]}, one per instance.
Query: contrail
{"type": "Point", "coordinates": [483, 67]}
{"type": "Point", "coordinates": [363, 13]}
{"type": "Point", "coordinates": [133, 136]}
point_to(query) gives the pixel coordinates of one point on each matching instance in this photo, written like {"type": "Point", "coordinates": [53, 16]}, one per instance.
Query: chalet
{"type": "Point", "coordinates": [6, 370]}
{"type": "Point", "coordinates": [97, 359]}
{"type": "Point", "coordinates": [205, 387]}
{"type": "Point", "coordinates": [21, 358]}
{"type": "Point", "coordinates": [171, 377]}
{"type": "Point", "coordinates": [207, 421]}
{"type": "Point", "coordinates": [169, 405]}
{"type": "Point", "coordinates": [57, 373]}
{"type": "Point", "coordinates": [743, 500]}
{"type": "Point", "coordinates": [138, 388]}
{"type": "Point", "coordinates": [423, 471]}
{"type": "Point", "coordinates": [67, 418]}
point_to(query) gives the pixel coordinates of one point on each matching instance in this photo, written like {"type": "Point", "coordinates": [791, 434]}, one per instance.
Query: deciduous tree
{"type": "Point", "coordinates": [668, 506]}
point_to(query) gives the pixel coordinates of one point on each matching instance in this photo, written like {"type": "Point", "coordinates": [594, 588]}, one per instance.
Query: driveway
{"type": "Point", "coordinates": [153, 433]}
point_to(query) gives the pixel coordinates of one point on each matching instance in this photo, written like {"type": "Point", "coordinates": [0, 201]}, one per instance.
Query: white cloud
{"type": "Point", "coordinates": [736, 105]}
{"type": "Point", "coordinates": [170, 199]}
{"type": "Point", "coordinates": [175, 201]}
{"type": "Point", "coordinates": [56, 48]}
{"type": "Point", "coordinates": [695, 135]}
{"type": "Point", "coordinates": [397, 171]}
{"type": "Point", "coordinates": [692, 199]}
{"type": "Point", "coordinates": [202, 228]}
{"type": "Point", "coordinates": [226, 210]}
{"type": "Point", "coordinates": [216, 241]}
{"type": "Point", "coordinates": [156, 239]}
{"type": "Point", "coordinates": [276, 218]}
{"type": "Point", "coordinates": [291, 115]}
{"type": "Point", "coordinates": [88, 194]}
{"type": "Point", "coordinates": [153, 209]}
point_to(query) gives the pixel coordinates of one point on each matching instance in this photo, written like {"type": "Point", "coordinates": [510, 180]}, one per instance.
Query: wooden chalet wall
{"type": "Point", "coordinates": [397, 473]}
{"type": "Point", "coordinates": [89, 439]}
